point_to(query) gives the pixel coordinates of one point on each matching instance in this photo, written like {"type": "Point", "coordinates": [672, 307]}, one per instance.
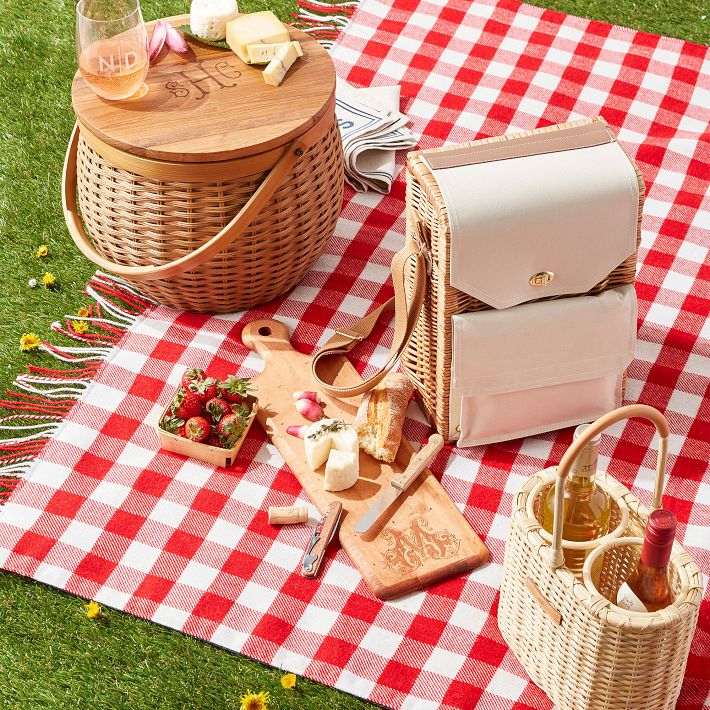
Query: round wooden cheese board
{"type": "Point", "coordinates": [208, 105]}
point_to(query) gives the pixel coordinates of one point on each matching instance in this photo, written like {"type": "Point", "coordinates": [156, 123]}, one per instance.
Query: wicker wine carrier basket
{"type": "Point", "coordinates": [585, 652]}
{"type": "Point", "coordinates": [212, 192]}
{"type": "Point", "coordinates": [427, 359]}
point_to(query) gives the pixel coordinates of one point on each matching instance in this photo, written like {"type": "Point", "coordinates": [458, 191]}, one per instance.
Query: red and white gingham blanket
{"type": "Point", "coordinates": [105, 515]}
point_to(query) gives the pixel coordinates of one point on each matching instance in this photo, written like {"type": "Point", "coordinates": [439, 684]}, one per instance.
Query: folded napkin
{"type": "Point", "coordinates": [372, 128]}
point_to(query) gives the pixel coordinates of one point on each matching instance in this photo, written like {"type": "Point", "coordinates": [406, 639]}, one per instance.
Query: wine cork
{"type": "Point", "coordinates": [287, 515]}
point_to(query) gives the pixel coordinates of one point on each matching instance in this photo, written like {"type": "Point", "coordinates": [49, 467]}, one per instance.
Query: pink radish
{"type": "Point", "coordinates": [176, 41]}
{"type": "Point", "coordinates": [157, 39]}
{"type": "Point", "coordinates": [297, 430]}
{"type": "Point", "coordinates": [307, 394]}
{"type": "Point", "coordinates": [310, 410]}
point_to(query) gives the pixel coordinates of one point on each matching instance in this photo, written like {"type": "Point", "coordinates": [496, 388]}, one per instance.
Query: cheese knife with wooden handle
{"type": "Point", "coordinates": [398, 485]}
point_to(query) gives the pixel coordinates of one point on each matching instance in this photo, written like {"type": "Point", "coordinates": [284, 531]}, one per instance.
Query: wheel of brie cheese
{"type": "Point", "coordinates": [209, 18]}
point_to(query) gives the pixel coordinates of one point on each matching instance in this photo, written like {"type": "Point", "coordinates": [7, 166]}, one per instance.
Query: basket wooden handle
{"type": "Point", "coordinates": [405, 320]}
{"type": "Point", "coordinates": [633, 410]}
{"type": "Point", "coordinates": [204, 253]}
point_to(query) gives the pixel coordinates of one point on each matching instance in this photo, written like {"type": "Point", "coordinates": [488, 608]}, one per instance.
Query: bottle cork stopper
{"type": "Point", "coordinates": [287, 515]}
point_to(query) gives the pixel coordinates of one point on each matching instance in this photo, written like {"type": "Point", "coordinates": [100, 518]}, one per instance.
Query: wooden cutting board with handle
{"type": "Point", "coordinates": [422, 538]}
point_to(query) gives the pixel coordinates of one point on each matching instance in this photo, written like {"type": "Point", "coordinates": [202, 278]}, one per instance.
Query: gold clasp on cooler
{"type": "Point", "coordinates": [541, 278]}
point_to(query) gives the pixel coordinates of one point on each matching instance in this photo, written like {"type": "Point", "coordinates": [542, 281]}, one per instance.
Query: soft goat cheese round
{"type": "Point", "coordinates": [209, 18]}
{"type": "Point", "coordinates": [318, 441]}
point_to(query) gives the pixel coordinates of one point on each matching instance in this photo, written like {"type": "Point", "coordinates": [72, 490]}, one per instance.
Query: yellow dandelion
{"type": "Point", "coordinates": [254, 701]}
{"type": "Point", "coordinates": [42, 251]}
{"type": "Point", "coordinates": [288, 681]}
{"type": "Point", "coordinates": [93, 610]}
{"type": "Point", "coordinates": [49, 279]}
{"type": "Point", "coordinates": [83, 312]}
{"type": "Point", "coordinates": [80, 326]}
{"type": "Point", "coordinates": [29, 341]}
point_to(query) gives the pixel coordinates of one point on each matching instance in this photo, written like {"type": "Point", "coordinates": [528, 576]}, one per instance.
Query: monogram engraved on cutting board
{"type": "Point", "coordinates": [412, 548]}
{"type": "Point", "coordinates": [200, 79]}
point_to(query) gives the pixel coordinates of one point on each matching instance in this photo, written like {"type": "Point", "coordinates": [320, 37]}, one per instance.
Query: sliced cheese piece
{"type": "Point", "coordinates": [264, 53]}
{"type": "Point", "coordinates": [209, 18]}
{"type": "Point", "coordinates": [345, 439]}
{"type": "Point", "coordinates": [255, 28]}
{"type": "Point", "coordinates": [280, 64]}
{"type": "Point", "coordinates": [341, 470]}
{"type": "Point", "coordinates": [317, 443]}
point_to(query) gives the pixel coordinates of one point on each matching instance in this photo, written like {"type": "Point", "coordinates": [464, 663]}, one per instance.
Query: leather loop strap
{"type": "Point", "coordinates": [632, 410]}
{"type": "Point", "coordinates": [405, 320]}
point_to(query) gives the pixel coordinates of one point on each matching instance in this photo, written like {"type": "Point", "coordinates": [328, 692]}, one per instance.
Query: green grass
{"type": "Point", "coordinates": [50, 655]}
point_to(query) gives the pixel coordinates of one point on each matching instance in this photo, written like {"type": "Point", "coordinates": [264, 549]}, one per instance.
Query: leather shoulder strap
{"type": "Point", "coordinates": [405, 320]}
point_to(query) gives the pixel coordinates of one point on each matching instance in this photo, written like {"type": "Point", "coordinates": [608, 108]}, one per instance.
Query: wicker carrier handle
{"type": "Point", "coordinates": [405, 320]}
{"type": "Point", "coordinates": [204, 253]}
{"type": "Point", "coordinates": [633, 410]}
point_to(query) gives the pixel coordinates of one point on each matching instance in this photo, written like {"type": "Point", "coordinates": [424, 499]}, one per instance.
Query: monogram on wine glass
{"type": "Point", "coordinates": [112, 46]}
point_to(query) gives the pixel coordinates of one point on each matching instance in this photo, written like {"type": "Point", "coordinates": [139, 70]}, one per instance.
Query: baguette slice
{"type": "Point", "coordinates": [380, 417]}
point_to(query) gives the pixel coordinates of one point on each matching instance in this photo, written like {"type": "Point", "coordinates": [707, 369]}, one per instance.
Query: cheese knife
{"type": "Point", "coordinates": [398, 485]}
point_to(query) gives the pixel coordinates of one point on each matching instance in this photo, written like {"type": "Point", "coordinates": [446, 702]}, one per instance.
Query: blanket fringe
{"type": "Point", "coordinates": [324, 20]}
{"type": "Point", "coordinates": [41, 398]}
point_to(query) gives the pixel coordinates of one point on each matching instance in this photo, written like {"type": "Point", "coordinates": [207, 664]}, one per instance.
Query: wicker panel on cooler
{"type": "Point", "coordinates": [142, 221]}
{"type": "Point", "coordinates": [431, 370]}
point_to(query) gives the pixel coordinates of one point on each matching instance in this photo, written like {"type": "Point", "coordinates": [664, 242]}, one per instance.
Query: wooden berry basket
{"type": "Point", "coordinates": [213, 192]}
{"type": "Point", "coordinates": [203, 452]}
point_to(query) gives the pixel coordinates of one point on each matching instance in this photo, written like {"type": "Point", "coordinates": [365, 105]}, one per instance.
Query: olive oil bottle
{"type": "Point", "coordinates": [587, 507]}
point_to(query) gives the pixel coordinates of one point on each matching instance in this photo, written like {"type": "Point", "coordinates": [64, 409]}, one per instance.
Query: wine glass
{"type": "Point", "coordinates": [112, 46]}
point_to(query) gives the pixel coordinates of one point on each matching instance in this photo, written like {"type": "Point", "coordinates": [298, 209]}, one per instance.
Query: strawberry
{"type": "Point", "coordinates": [217, 407]}
{"type": "Point", "coordinates": [242, 409]}
{"type": "Point", "coordinates": [181, 431]}
{"type": "Point", "coordinates": [204, 389]}
{"type": "Point", "coordinates": [186, 404]}
{"type": "Point", "coordinates": [197, 428]}
{"type": "Point", "coordinates": [234, 389]}
{"type": "Point", "coordinates": [214, 440]}
{"type": "Point", "coordinates": [194, 373]}
{"type": "Point", "coordinates": [230, 428]}
{"type": "Point", "coordinates": [172, 424]}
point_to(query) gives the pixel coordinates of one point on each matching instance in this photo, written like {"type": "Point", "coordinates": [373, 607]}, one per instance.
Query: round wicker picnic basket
{"type": "Point", "coordinates": [585, 652]}
{"type": "Point", "coordinates": [212, 192]}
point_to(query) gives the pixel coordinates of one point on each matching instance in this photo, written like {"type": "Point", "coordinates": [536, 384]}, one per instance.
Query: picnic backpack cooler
{"type": "Point", "coordinates": [515, 309]}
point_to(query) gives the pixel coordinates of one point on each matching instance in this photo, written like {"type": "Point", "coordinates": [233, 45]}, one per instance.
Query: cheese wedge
{"type": "Point", "coordinates": [327, 434]}
{"type": "Point", "coordinates": [208, 18]}
{"type": "Point", "coordinates": [341, 470]}
{"type": "Point", "coordinates": [255, 28]}
{"type": "Point", "coordinates": [280, 64]}
{"type": "Point", "coordinates": [264, 53]}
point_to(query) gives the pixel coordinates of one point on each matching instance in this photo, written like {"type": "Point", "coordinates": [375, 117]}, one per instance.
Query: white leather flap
{"type": "Point", "coordinates": [571, 212]}
{"type": "Point", "coordinates": [545, 343]}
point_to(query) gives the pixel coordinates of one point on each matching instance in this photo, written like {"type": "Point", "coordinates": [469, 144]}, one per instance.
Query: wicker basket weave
{"type": "Point", "coordinates": [427, 358]}
{"type": "Point", "coordinates": [137, 222]}
{"type": "Point", "coordinates": [576, 644]}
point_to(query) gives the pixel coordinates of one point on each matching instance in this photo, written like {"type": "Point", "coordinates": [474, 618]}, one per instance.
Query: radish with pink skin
{"type": "Point", "coordinates": [297, 430]}
{"type": "Point", "coordinates": [307, 394]}
{"type": "Point", "coordinates": [310, 410]}
{"type": "Point", "coordinates": [157, 39]}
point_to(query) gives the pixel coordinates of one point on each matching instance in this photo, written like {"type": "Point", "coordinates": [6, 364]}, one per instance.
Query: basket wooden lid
{"type": "Point", "coordinates": [209, 105]}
